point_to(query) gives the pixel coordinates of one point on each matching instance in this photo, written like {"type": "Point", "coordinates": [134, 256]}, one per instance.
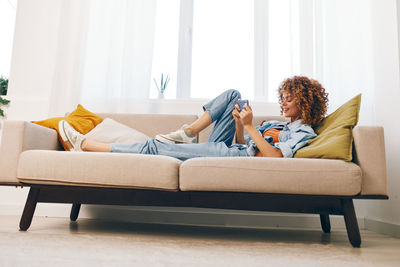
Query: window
{"type": "Point", "coordinates": [223, 47]}
{"type": "Point", "coordinates": [165, 53]}
{"type": "Point", "coordinates": [208, 46]}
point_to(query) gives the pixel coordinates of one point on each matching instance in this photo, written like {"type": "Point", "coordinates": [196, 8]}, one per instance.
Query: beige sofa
{"type": "Point", "coordinates": [30, 156]}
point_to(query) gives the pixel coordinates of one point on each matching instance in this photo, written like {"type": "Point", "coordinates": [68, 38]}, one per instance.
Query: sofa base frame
{"type": "Point", "coordinates": [313, 204]}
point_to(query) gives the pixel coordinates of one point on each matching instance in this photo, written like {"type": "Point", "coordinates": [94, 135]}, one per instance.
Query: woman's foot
{"type": "Point", "coordinates": [180, 136]}
{"type": "Point", "coordinates": [70, 136]}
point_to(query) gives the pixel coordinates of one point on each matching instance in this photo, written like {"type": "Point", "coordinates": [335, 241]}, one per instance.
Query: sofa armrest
{"type": "Point", "coordinates": [369, 147]}
{"type": "Point", "coordinates": [18, 136]}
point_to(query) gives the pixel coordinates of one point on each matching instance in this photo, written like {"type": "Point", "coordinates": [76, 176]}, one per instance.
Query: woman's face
{"type": "Point", "coordinates": [289, 106]}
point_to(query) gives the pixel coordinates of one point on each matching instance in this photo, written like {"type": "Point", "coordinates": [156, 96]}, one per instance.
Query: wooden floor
{"type": "Point", "coordinates": [59, 242]}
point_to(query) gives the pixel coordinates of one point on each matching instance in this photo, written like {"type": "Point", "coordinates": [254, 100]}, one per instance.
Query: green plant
{"type": "Point", "coordinates": [3, 91]}
{"type": "Point", "coordinates": [3, 85]}
{"type": "Point", "coordinates": [163, 83]}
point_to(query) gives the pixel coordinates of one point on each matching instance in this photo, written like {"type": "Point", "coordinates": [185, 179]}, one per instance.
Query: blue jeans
{"type": "Point", "coordinates": [219, 143]}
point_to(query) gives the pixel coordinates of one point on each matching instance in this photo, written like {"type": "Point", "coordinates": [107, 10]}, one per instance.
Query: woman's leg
{"type": "Point", "coordinates": [220, 110]}
{"type": "Point", "coordinates": [181, 151]}
{"type": "Point", "coordinates": [200, 124]}
{"type": "Point", "coordinates": [77, 141]}
{"type": "Point", "coordinates": [93, 146]}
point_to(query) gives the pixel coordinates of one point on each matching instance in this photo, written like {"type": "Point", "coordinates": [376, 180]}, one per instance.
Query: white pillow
{"type": "Point", "coordinates": [110, 131]}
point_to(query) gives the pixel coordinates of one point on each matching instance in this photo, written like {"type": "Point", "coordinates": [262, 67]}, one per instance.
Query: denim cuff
{"type": "Point", "coordinates": [210, 112]}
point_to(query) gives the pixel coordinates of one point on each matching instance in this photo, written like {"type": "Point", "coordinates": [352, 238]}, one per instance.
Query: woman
{"type": "Point", "coordinates": [303, 101]}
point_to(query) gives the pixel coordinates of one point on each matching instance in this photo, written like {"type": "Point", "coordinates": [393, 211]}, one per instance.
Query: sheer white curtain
{"type": "Point", "coordinates": [323, 40]}
{"type": "Point", "coordinates": [104, 54]}
{"type": "Point", "coordinates": [119, 52]}
{"type": "Point", "coordinates": [65, 84]}
{"type": "Point", "coordinates": [346, 53]}
{"type": "Point", "coordinates": [284, 43]}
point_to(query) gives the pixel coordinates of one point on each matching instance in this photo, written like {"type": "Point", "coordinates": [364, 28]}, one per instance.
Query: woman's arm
{"type": "Point", "coordinates": [246, 118]}
{"type": "Point", "coordinates": [265, 148]}
{"type": "Point", "coordinates": [239, 136]}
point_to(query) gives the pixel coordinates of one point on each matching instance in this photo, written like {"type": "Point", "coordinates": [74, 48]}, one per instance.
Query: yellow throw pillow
{"type": "Point", "coordinates": [81, 119]}
{"type": "Point", "coordinates": [335, 134]}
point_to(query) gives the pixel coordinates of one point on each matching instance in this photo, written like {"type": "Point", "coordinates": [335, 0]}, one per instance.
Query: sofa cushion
{"type": "Point", "coordinates": [110, 131]}
{"type": "Point", "coordinates": [335, 134]}
{"type": "Point", "coordinates": [98, 169]}
{"type": "Point", "coordinates": [151, 124]}
{"type": "Point", "coordinates": [271, 175]}
{"type": "Point", "coordinates": [80, 119]}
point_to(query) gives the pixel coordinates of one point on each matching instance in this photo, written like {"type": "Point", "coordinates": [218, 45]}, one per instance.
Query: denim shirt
{"type": "Point", "coordinates": [292, 137]}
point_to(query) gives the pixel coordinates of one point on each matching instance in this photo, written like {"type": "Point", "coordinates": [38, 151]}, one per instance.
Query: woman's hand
{"type": "Point", "coordinates": [235, 114]}
{"type": "Point", "coordinates": [239, 137]}
{"type": "Point", "coordinates": [246, 116]}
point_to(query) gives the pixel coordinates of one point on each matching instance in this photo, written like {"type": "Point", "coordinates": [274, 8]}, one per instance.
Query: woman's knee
{"type": "Point", "coordinates": [150, 146]}
{"type": "Point", "coordinates": [234, 94]}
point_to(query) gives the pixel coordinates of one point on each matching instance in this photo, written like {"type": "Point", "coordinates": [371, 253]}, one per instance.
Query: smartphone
{"type": "Point", "coordinates": [241, 103]}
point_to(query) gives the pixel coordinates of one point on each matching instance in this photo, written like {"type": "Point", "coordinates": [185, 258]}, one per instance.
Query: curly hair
{"type": "Point", "coordinates": [311, 98]}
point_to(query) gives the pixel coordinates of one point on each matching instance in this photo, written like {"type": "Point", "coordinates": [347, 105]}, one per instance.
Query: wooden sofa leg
{"type": "Point", "coordinates": [353, 232]}
{"type": "Point", "coordinates": [74, 211]}
{"type": "Point", "coordinates": [325, 223]}
{"type": "Point", "coordinates": [29, 209]}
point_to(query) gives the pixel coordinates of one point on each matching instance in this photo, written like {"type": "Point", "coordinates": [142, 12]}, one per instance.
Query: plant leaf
{"type": "Point", "coordinates": [4, 101]}
{"type": "Point", "coordinates": [156, 84]}
{"type": "Point", "coordinates": [167, 80]}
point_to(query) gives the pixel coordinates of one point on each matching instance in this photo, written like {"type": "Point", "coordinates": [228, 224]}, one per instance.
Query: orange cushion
{"type": "Point", "coordinates": [81, 119]}
{"type": "Point", "coordinates": [274, 133]}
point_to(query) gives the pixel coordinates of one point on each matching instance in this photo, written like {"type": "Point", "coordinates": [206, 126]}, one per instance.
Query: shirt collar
{"type": "Point", "coordinates": [295, 124]}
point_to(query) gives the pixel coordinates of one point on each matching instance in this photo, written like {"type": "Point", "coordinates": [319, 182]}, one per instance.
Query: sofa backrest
{"type": "Point", "coordinates": [369, 154]}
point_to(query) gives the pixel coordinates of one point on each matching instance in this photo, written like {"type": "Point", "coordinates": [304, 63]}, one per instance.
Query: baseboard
{"type": "Point", "coordinates": [381, 227]}
{"type": "Point", "coordinates": [185, 216]}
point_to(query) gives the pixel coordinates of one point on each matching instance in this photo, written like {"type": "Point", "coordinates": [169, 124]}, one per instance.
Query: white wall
{"type": "Point", "coordinates": [386, 99]}
{"type": "Point", "coordinates": [360, 54]}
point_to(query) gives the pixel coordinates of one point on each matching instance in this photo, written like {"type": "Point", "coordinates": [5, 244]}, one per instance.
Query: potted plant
{"type": "Point", "coordinates": [163, 85]}
{"type": "Point", "coordinates": [3, 91]}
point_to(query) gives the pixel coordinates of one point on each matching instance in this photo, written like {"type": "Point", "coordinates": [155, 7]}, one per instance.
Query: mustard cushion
{"type": "Point", "coordinates": [335, 134]}
{"type": "Point", "coordinates": [81, 119]}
